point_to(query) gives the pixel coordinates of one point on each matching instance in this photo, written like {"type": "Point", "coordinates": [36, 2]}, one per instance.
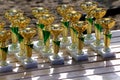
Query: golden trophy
{"type": "Point", "coordinates": [107, 24]}
{"type": "Point", "coordinates": [73, 16]}
{"type": "Point", "coordinates": [63, 10]}
{"type": "Point", "coordinates": [98, 13]}
{"type": "Point", "coordinates": [11, 15]}
{"type": "Point", "coordinates": [79, 54]}
{"type": "Point", "coordinates": [56, 29]}
{"type": "Point", "coordinates": [87, 7]}
{"type": "Point", "coordinates": [22, 23]}
{"type": "Point", "coordinates": [38, 12]}
{"type": "Point", "coordinates": [27, 34]}
{"type": "Point", "coordinates": [4, 66]}
{"type": "Point", "coordinates": [47, 20]}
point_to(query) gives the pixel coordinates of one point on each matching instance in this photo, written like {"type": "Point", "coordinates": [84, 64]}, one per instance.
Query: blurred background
{"type": "Point", "coordinates": [113, 7]}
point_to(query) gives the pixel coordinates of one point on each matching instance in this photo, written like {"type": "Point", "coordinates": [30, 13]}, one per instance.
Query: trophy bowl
{"type": "Point", "coordinates": [38, 11]}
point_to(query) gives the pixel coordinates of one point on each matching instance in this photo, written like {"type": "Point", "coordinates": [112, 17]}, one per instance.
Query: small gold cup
{"type": "Point", "coordinates": [107, 24]}
{"type": "Point", "coordinates": [56, 29]}
{"type": "Point", "coordinates": [87, 7]}
{"type": "Point", "coordinates": [4, 36]}
{"type": "Point", "coordinates": [73, 16]}
{"type": "Point", "coordinates": [47, 20]}
{"type": "Point", "coordinates": [81, 26]}
{"type": "Point", "coordinates": [13, 14]}
{"type": "Point", "coordinates": [63, 10]}
{"type": "Point", "coordinates": [38, 11]}
{"type": "Point", "coordinates": [98, 13]}
{"type": "Point", "coordinates": [27, 34]}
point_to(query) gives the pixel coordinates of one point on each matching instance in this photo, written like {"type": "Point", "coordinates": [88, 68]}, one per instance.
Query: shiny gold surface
{"type": "Point", "coordinates": [56, 29]}
{"type": "Point", "coordinates": [4, 36]}
{"type": "Point", "coordinates": [28, 33]}
{"type": "Point", "coordinates": [46, 19]}
{"type": "Point", "coordinates": [88, 6]}
{"type": "Point", "coordinates": [107, 24]}
{"type": "Point", "coordinates": [63, 9]}
{"type": "Point", "coordinates": [38, 11]}
{"type": "Point", "coordinates": [81, 26]}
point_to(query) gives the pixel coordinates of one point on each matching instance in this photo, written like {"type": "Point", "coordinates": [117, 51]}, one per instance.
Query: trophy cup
{"type": "Point", "coordinates": [56, 29]}
{"type": "Point", "coordinates": [47, 20]}
{"type": "Point", "coordinates": [73, 16]}
{"type": "Point", "coordinates": [11, 15]}
{"type": "Point", "coordinates": [37, 12]}
{"type": "Point", "coordinates": [27, 34]}
{"type": "Point", "coordinates": [87, 7]}
{"type": "Point", "coordinates": [98, 13]}
{"type": "Point", "coordinates": [62, 10]}
{"type": "Point", "coordinates": [79, 54]}
{"type": "Point", "coordinates": [4, 66]}
{"type": "Point", "coordinates": [22, 23]}
{"type": "Point", "coordinates": [107, 24]}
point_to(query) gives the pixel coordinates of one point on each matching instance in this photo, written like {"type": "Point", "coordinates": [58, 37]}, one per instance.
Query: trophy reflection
{"type": "Point", "coordinates": [107, 24]}
{"type": "Point", "coordinates": [63, 10]}
{"type": "Point", "coordinates": [12, 15]}
{"type": "Point", "coordinates": [4, 37]}
{"type": "Point", "coordinates": [56, 29]}
{"type": "Point", "coordinates": [47, 20]}
{"type": "Point", "coordinates": [98, 13]}
{"type": "Point", "coordinates": [27, 34]}
{"type": "Point", "coordinates": [87, 7]}
{"type": "Point", "coordinates": [38, 12]}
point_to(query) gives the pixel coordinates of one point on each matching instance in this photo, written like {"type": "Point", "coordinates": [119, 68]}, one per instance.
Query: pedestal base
{"type": "Point", "coordinates": [29, 65]}
{"type": "Point", "coordinates": [44, 54]}
{"type": "Point", "coordinates": [12, 50]}
{"type": "Point", "coordinates": [64, 45]}
{"type": "Point", "coordinates": [19, 58]}
{"type": "Point", "coordinates": [78, 57]}
{"type": "Point", "coordinates": [89, 40]}
{"type": "Point", "coordinates": [7, 68]}
{"type": "Point", "coordinates": [104, 54]}
{"type": "Point", "coordinates": [95, 48]}
{"type": "Point", "coordinates": [36, 46]}
{"type": "Point", "coordinates": [56, 61]}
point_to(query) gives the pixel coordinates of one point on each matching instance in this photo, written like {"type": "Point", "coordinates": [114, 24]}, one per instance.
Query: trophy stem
{"type": "Point", "coordinates": [40, 34]}
{"type": "Point", "coordinates": [98, 36]}
{"type": "Point", "coordinates": [22, 48]}
{"type": "Point", "coordinates": [55, 46]}
{"type": "Point", "coordinates": [80, 42]}
{"type": "Point", "coordinates": [14, 38]}
{"type": "Point", "coordinates": [28, 48]}
{"type": "Point", "coordinates": [107, 38]}
{"type": "Point", "coordinates": [73, 37]}
{"type": "Point", "coordinates": [3, 54]}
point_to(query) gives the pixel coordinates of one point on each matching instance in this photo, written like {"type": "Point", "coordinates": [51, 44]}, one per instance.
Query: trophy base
{"type": "Point", "coordinates": [78, 57]}
{"type": "Point", "coordinates": [46, 55]}
{"type": "Point", "coordinates": [89, 40]}
{"type": "Point", "coordinates": [12, 50]}
{"type": "Point", "coordinates": [95, 48]}
{"type": "Point", "coordinates": [7, 68]}
{"type": "Point", "coordinates": [56, 61]}
{"type": "Point", "coordinates": [107, 54]}
{"type": "Point", "coordinates": [19, 58]}
{"type": "Point", "coordinates": [36, 46]}
{"type": "Point", "coordinates": [64, 45]}
{"type": "Point", "coordinates": [28, 65]}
